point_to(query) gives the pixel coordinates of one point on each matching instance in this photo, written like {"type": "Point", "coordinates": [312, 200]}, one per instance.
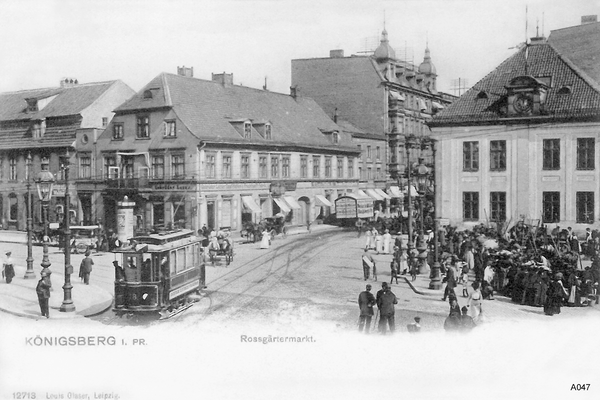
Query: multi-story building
{"type": "Point", "coordinates": [523, 142]}
{"type": "Point", "coordinates": [384, 97]}
{"type": "Point", "coordinates": [191, 152]}
{"type": "Point", "coordinates": [43, 124]}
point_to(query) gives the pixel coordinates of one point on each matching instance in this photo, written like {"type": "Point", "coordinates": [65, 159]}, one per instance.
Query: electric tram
{"type": "Point", "coordinates": [159, 273]}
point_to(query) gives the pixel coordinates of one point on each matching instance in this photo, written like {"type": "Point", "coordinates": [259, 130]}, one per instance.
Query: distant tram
{"type": "Point", "coordinates": [158, 273]}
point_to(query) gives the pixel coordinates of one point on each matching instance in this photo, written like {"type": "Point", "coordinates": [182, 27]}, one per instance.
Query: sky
{"type": "Point", "coordinates": [135, 40]}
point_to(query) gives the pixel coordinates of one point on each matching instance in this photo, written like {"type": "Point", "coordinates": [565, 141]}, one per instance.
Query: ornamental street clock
{"type": "Point", "coordinates": [526, 96]}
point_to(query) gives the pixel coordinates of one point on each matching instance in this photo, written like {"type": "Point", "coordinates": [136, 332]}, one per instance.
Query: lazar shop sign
{"type": "Point", "coordinates": [350, 207]}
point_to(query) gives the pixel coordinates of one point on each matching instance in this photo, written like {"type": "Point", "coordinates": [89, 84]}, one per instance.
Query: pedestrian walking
{"type": "Point", "coordinates": [368, 239]}
{"type": "Point", "coordinates": [266, 239]}
{"type": "Point", "coordinates": [85, 268]}
{"type": "Point", "coordinates": [556, 294]}
{"type": "Point", "coordinates": [378, 241]}
{"type": "Point", "coordinates": [464, 280]}
{"type": "Point", "coordinates": [387, 242]}
{"type": "Point", "coordinates": [466, 321]}
{"type": "Point", "coordinates": [43, 293]}
{"type": "Point", "coordinates": [394, 271]}
{"type": "Point", "coordinates": [359, 226]}
{"type": "Point", "coordinates": [8, 268]}
{"type": "Point", "coordinates": [385, 303]}
{"type": "Point", "coordinates": [475, 302]}
{"type": "Point", "coordinates": [367, 264]}
{"type": "Point", "coordinates": [450, 280]}
{"type": "Point", "coordinates": [366, 301]}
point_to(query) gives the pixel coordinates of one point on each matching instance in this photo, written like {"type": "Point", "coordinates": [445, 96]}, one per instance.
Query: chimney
{"type": "Point", "coordinates": [185, 71]}
{"type": "Point", "coordinates": [589, 19]}
{"type": "Point", "coordinates": [68, 82]}
{"type": "Point", "coordinates": [224, 79]}
{"type": "Point", "coordinates": [338, 53]}
{"type": "Point", "coordinates": [293, 91]}
{"type": "Point", "coordinates": [537, 40]}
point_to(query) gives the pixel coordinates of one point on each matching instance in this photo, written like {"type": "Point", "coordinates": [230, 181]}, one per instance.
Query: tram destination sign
{"type": "Point", "coordinates": [349, 207]}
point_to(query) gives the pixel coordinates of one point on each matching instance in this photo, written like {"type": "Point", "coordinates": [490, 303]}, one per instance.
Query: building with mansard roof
{"type": "Point", "coordinates": [43, 124]}
{"type": "Point", "coordinates": [522, 143]}
{"type": "Point", "coordinates": [192, 152]}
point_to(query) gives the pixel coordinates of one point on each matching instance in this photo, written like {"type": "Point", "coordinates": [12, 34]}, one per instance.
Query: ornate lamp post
{"type": "Point", "coordinates": [29, 274]}
{"type": "Point", "coordinates": [67, 304]}
{"type": "Point", "coordinates": [409, 143]}
{"type": "Point", "coordinates": [44, 183]}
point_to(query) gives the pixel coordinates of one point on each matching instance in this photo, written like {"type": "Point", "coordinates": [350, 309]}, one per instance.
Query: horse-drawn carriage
{"type": "Point", "coordinates": [220, 246]}
{"type": "Point", "coordinates": [253, 232]}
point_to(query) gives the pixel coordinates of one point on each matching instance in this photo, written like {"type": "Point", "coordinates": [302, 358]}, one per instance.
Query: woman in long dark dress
{"type": "Point", "coordinates": [556, 294]}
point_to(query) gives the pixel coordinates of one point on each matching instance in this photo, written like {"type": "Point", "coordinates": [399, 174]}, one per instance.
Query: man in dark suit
{"type": "Point", "coordinates": [366, 301]}
{"type": "Point", "coordinates": [43, 292]}
{"type": "Point", "coordinates": [450, 283]}
{"type": "Point", "coordinates": [385, 302]}
{"type": "Point", "coordinates": [85, 268]}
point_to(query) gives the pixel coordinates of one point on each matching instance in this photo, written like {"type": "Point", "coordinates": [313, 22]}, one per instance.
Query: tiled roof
{"type": "Point", "coordinates": [69, 101]}
{"type": "Point", "coordinates": [55, 136]}
{"type": "Point", "coordinates": [542, 60]}
{"type": "Point", "coordinates": [209, 110]}
{"type": "Point", "coordinates": [581, 45]}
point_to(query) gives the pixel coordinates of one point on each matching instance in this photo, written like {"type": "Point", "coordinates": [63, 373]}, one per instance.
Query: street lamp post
{"type": "Point", "coordinates": [410, 142]}
{"type": "Point", "coordinates": [29, 274]}
{"type": "Point", "coordinates": [67, 304]}
{"type": "Point", "coordinates": [44, 183]}
{"type": "Point", "coordinates": [436, 279]}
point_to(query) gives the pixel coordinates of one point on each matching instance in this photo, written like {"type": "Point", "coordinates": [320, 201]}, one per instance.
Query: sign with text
{"type": "Point", "coordinates": [349, 207]}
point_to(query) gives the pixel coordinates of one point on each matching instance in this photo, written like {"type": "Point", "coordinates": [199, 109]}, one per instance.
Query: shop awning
{"type": "Point", "coordinates": [322, 201]}
{"type": "Point", "coordinates": [372, 194]}
{"type": "Point", "coordinates": [383, 194]}
{"type": "Point", "coordinates": [292, 202]}
{"type": "Point", "coordinates": [251, 204]}
{"type": "Point", "coordinates": [362, 194]}
{"type": "Point", "coordinates": [282, 205]}
{"type": "Point", "coordinates": [413, 191]}
{"type": "Point", "coordinates": [395, 192]}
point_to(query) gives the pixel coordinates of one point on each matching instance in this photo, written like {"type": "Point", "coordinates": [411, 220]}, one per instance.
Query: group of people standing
{"type": "Point", "coordinates": [385, 302]}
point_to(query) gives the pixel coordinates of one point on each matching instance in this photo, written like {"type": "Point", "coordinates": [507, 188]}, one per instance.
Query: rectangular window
{"type": "Point", "coordinates": [471, 206]}
{"type": "Point", "coordinates": [12, 169]}
{"type": "Point", "coordinates": [378, 152]}
{"type": "Point", "coordinates": [498, 155]}
{"type": "Point", "coordinates": [178, 166]}
{"type": "Point", "coordinates": [378, 174]}
{"type": "Point", "coordinates": [470, 156]}
{"type": "Point", "coordinates": [340, 167]}
{"type": "Point", "coordinates": [110, 163]}
{"type": "Point", "coordinates": [158, 167]}
{"type": "Point", "coordinates": [316, 167]}
{"type": "Point", "coordinates": [285, 167]}
{"type": "Point", "coordinates": [361, 173]}
{"type": "Point", "coordinates": [117, 131]}
{"type": "Point", "coordinates": [127, 166]}
{"type": "Point", "coordinates": [143, 127]}
{"type": "Point", "coordinates": [104, 122]}
{"type": "Point", "coordinates": [368, 152]}
{"type": "Point", "coordinates": [45, 164]}
{"type": "Point", "coordinates": [170, 129]}
{"type": "Point", "coordinates": [245, 171]}
{"type": "Point", "coordinates": [369, 173]}
{"type": "Point", "coordinates": [262, 167]}
{"type": "Point", "coordinates": [226, 172]}
{"type": "Point", "coordinates": [551, 207]}
{"type": "Point", "coordinates": [2, 173]}
{"type": "Point", "coordinates": [268, 131]}
{"type": "Point", "coordinates": [247, 130]}
{"type": "Point", "coordinates": [327, 167]}
{"type": "Point", "coordinates": [303, 167]}
{"type": "Point", "coordinates": [351, 168]}
{"type": "Point", "coordinates": [498, 206]}
{"type": "Point", "coordinates": [274, 166]}
{"type": "Point", "coordinates": [85, 167]}
{"type": "Point", "coordinates": [551, 154]}
{"type": "Point", "coordinates": [585, 207]}
{"type": "Point", "coordinates": [585, 153]}
{"type": "Point", "coordinates": [210, 166]}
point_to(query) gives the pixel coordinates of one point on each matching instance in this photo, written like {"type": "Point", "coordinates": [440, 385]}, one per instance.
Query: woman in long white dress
{"type": "Point", "coordinates": [474, 302]}
{"type": "Point", "coordinates": [387, 242]}
{"type": "Point", "coordinates": [266, 239]}
{"type": "Point", "coordinates": [378, 241]}
{"type": "Point", "coordinates": [368, 239]}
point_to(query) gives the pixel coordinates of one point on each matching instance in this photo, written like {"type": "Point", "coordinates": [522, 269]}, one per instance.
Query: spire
{"type": "Point", "coordinates": [384, 51]}
{"type": "Point", "coordinates": [427, 66]}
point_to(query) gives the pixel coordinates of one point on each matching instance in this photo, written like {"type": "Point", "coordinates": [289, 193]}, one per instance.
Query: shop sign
{"type": "Point", "coordinates": [279, 188]}
{"type": "Point", "coordinates": [173, 186]}
{"type": "Point", "coordinates": [349, 207]}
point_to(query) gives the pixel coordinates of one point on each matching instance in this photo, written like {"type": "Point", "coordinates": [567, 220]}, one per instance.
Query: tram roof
{"type": "Point", "coordinates": [161, 238]}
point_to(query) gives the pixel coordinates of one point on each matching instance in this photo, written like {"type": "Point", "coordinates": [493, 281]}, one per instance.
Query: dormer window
{"type": "Point", "coordinates": [170, 129]}
{"type": "Point", "coordinates": [38, 128]}
{"type": "Point", "coordinates": [268, 131]}
{"type": "Point", "coordinates": [482, 95]}
{"type": "Point", "coordinates": [148, 94]}
{"type": "Point", "coordinates": [335, 137]}
{"type": "Point", "coordinates": [247, 130]}
{"type": "Point", "coordinates": [32, 105]}
{"type": "Point", "coordinates": [564, 91]}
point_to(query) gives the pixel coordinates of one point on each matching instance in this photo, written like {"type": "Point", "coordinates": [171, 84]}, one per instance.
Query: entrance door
{"type": "Point", "coordinates": [158, 212]}
{"type": "Point", "coordinates": [211, 216]}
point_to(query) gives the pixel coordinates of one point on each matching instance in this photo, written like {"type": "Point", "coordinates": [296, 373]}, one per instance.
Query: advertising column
{"type": "Point", "coordinates": [125, 219]}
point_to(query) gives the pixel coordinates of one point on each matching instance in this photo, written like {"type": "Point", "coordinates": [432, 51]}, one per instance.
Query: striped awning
{"type": "Point", "coordinates": [362, 194]}
{"type": "Point", "coordinates": [322, 200]}
{"type": "Point", "coordinates": [292, 202]}
{"type": "Point", "coordinates": [395, 192]}
{"type": "Point", "coordinates": [282, 205]}
{"type": "Point", "coordinates": [371, 193]}
{"type": "Point", "coordinates": [251, 204]}
{"type": "Point", "coordinates": [383, 194]}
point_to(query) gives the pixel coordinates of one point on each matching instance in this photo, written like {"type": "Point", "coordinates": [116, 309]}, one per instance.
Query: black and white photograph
{"type": "Point", "coordinates": [299, 199]}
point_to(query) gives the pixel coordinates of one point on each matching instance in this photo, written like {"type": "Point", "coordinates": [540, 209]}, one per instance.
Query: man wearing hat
{"type": "Point", "coordinates": [8, 269]}
{"type": "Point", "coordinates": [119, 272]}
{"type": "Point", "coordinates": [366, 301]}
{"type": "Point", "coordinates": [85, 268]}
{"type": "Point", "coordinates": [385, 302]}
{"type": "Point", "coordinates": [43, 293]}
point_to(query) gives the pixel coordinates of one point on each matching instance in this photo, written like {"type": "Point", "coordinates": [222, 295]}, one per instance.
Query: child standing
{"type": "Point", "coordinates": [464, 279]}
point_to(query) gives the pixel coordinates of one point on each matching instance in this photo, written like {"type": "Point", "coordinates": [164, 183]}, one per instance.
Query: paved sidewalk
{"type": "Point", "coordinates": [19, 297]}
